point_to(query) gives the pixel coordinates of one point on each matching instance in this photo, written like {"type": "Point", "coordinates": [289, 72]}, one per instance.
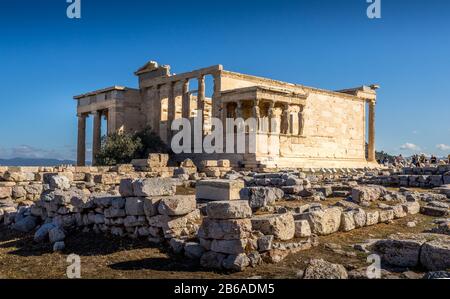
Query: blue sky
{"type": "Point", "coordinates": [46, 58]}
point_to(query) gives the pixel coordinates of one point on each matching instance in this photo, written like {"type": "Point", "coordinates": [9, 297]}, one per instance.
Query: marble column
{"type": "Point", "coordinates": [201, 101]}
{"type": "Point", "coordinates": [216, 96]}
{"type": "Point", "coordinates": [96, 142]}
{"type": "Point", "coordinates": [81, 147]}
{"type": "Point", "coordinates": [186, 103]}
{"type": "Point", "coordinates": [223, 117]}
{"type": "Point", "coordinates": [171, 110]}
{"type": "Point", "coordinates": [371, 149]}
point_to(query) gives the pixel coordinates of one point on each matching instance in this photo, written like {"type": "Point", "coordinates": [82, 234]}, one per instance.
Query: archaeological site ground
{"type": "Point", "coordinates": [142, 155]}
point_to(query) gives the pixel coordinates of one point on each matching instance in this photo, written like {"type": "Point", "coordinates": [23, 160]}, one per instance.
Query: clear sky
{"type": "Point", "coordinates": [46, 58]}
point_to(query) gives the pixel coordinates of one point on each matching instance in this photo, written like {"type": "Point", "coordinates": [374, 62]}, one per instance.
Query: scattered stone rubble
{"type": "Point", "coordinates": [235, 219]}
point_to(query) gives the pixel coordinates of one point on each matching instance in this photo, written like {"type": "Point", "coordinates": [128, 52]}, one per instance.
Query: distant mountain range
{"type": "Point", "coordinates": [34, 162]}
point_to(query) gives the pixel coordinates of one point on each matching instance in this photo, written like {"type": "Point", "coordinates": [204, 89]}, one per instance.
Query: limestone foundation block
{"type": "Point", "coordinates": [259, 197]}
{"type": "Point", "coordinates": [435, 255]}
{"type": "Point", "coordinates": [218, 190]}
{"type": "Point", "coordinates": [229, 246]}
{"type": "Point", "coordinates": [153, 187]}
{"type": "Point", "coordinates": [231, 229]}
{"type": "Point", "coordinates": [411, 208]}
{"type": "Point", "coordinates": [134, 206]}
{"type": "Point", "coordinates": [281, 226]}
{"type": "Point", "coordinates": [302, 229]}
{"type": "Point", "coordinates": [237, 209]}
{"type": "Point", "coordinates": [347, 221]}
{"type": "Point", "coordinates": [372, 217]}
{"type": "Point", "coordinates": [177, 205]}
{"type": "Point", "coordinates": [386, 215]}
{"type": "Point", "coordinates": [324, 222]}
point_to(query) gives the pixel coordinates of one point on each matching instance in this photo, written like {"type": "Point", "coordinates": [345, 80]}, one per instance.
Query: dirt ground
{"type": "Point", "coordinates": [111, 257]}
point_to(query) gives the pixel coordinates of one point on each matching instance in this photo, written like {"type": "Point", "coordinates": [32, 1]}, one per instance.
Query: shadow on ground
{"type": "Point", "coordinates": [83, 244]}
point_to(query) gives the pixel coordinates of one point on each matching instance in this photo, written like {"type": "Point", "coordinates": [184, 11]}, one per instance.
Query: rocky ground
{"type": "Point", "coordinates": [105, 256]}
{"type": "Point", "coordinates": [219, 223]}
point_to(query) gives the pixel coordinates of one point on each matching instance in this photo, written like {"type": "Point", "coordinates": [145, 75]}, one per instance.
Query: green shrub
{"type": "Point", "coordinates": [118, 148]}
{"type": "Point", "coordinates": [121, 148]}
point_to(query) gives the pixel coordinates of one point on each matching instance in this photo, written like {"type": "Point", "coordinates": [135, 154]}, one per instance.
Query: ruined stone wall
{"type": "Point", "coordinates": [334, 130]}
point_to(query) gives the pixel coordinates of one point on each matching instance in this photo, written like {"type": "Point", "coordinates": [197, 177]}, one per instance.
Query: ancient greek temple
{"type": "Point", "coordinates": [298, 126]}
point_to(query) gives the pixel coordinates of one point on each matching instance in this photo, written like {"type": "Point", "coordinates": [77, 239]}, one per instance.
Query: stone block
{"type": "Point", "coordinates": [212, 260]}
{"type": "Point", "coordinates": [193, 250]}
{"type": "Point", "coordinates": [324, 222]}
{"type": "Point", "coordinates": [265, 243]}
{"type": "Point", "coordinates": [236, 262]}
{"type": "Point", "coordinates": [302, 229]}
{"type": "Point", "coordinates": [411, 208]}
{"type": "Point", "coordinates": [435, 254]}
{"type": "Point", "coordinates": [347, 221]}
{"type": "Point", "coordinates": [126, 188]}
{"type": "Point", "coordinates": [153, 187]}
{"type": "Point", "coordinates": [281, 226]}
{"type": "Point", "coordinates": [367, 193]}
{"type": "Point", "coordinates": [236, 209]}
{"type": "Point", "coordinates": [399, 212]}
{"type": "Point", "coordinates": [229, 246]}
{"type": "Point", "coordinates": [225, 229]}
{"type": "Point", "coordinates": [58, 182]}
{"type": "Point", "coordinates": [434, 211]}
{"type": "Point", "coordinates": [401, 253]}
{"type": "Point", "coordinates": [177, 205]}
{"type": "Point", "coordinates": [134, 206]}
{"type": "Point", "coordinates": [218, 190]}
{"type": "Point", "coordinates": [360, 218]}
{"type": "Point", "coordinates": [386, 215]}
{"type": "Point", "coordinates": [259, 197]}
{"type": "Point", "coordinates": [372, 217]}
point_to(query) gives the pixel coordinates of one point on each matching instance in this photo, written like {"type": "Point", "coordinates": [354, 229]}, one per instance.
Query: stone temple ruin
{"type": "Point", "coordinates": [298, 126]}
{"type": "Point", "coordinates": [228, 212]}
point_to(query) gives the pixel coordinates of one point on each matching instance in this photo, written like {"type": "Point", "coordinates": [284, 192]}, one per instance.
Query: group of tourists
{"type": "Point", "coordinates": [415, 161]}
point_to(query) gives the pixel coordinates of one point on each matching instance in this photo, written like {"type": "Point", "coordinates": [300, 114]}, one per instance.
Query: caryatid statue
{"type": "Point", "coordinates": [301, 120]}
{"type": "Point", "coordinates": [284, 127]}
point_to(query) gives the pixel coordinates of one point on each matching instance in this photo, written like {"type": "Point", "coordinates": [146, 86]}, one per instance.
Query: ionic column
{"type": "Point", "coordinates": [81, 146]}
{"type": "Point", "coordinates": [371, 149]}
{"type": "Point", "coordinates": [157, 109]}
{"type": "Point", "coordinates": [201, 101]}
{"type": "Point", "coordinates": [223, 117]}
{"type": "Point", "coordinates": [170, 111]}
{"type": "Point", "coordinates": [186, 103]}
{"type": "Point", "coordinates": [96, 142]}
{"type": "Point", "coordinates": [216, 96]}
